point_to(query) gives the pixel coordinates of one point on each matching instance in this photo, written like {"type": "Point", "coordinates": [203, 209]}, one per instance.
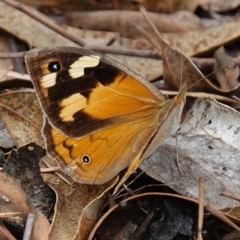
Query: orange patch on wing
{"type": "Point", "coordinates": [123, 96]}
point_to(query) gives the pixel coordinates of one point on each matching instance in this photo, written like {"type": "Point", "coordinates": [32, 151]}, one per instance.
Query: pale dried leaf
{"type": "Point", "coordinates": [227, 72]}
{"type": "Point", "coordinates": [208, 146]}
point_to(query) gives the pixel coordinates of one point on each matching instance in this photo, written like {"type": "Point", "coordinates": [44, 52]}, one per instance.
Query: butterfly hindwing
{"type": "Point", "coordinates": [100, 156]}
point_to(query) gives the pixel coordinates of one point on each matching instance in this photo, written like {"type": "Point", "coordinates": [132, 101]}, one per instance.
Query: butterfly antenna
{"type": "Point", "coordinates": [158, 45]}
{"type": "Point", "coordinates": [227, 66]}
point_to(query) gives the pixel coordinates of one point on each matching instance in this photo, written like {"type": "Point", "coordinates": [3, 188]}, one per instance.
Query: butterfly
{"type": "Point", "coordinates": [99, 116]}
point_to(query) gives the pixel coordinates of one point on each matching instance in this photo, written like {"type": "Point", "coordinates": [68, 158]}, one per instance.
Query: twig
{"type": "Point", "coordinates": [12, 55]}
{"type": "Point", "coordinates": [50, 169]}
{"type": "Point", "coordinates": [137, 234]}
{"type": "Point", "coordinates": [200, 207]}
{"type": "Point", "coordinates": [80, 41]}
{"type": "Point", "coordinates": [160, 45]}
{"type": "Point", "coordinates": [9, 214]}
{"type": "Point", "coordinates": [30, 12]}
{"type": "Point", "coordinates": [228, 195]}
{"type": "Point", "coordinates": [29, 226]}
{"type": "Point", "coordinates": [144, 33]}
{"type": "Point", "coordinates": [58, 174]}
{"type": "Point", "coordinates": [215, 212]}
{"type": "Point", "coordinates": [177, 158]}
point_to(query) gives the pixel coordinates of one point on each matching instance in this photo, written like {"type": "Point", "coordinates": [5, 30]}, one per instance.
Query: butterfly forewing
{"type": "Point", "coordinates": [82, 92]}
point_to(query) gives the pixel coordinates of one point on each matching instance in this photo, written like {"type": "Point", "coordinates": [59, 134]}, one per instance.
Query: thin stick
{"type": "Point", "coordinates": [29, 226]}
{"type": "Point", "coordinates": [228, 195]}
{"type": "Point", "coordinates": [30, 12]}
{"type": "Point", "coordinates": [144, 12]}
{"type": "Point", "coordinates": [215, 212]}
{"type": "Point", "coordinates": [58, 174]}
{"type": "Point", "coordinates": [12, 54]}
{"type": "Point", "coordinates": [50, 169]}
{"type": "Point", "coordinates": [10, 214]}
{"type": "Point", "coordinates": [78, 40]}
{"type": "Point", "coordinates": [177, 157]}
{"type": "Point", "coordinates": [201, 184]}
{"type": "Point", "coordinates": [145, 34]}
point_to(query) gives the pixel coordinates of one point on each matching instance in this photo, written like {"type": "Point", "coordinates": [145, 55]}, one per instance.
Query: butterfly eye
{"type": "Point", "coordinates": [54, 67]}
{"type": "Point", "coordinates": [86, 159]}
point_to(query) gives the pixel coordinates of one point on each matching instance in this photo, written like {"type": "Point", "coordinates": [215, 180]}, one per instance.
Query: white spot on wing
{"type": "Point", "coordinates": [71, 105]}
{"type": "Point", "coordinates": [77, 68]}
{"type": "Point", "coordinates": [48, 80]}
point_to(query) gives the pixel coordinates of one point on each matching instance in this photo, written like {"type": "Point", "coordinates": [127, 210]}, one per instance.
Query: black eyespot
{"type": "Point", "coordinates": [86, 159]}
{"type": "Point", "coordinates": [54, 67]}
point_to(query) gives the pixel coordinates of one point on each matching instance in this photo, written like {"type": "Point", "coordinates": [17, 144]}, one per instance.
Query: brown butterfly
{"type": "Point", "coordinates": [100, 117]}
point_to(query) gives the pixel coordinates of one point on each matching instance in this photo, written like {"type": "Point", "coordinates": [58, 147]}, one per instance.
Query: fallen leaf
{"type": "Point", "coordinates": [227, 73]}
{"type": "Point", "coordinates": [219, 5]}
{"type": "Point", "coordinates": [76, 209]}
{"type": "Point", "coordinates": [181, 21]}
{"type": "Point", "coordinates": [168, 6]}
{"type": "Point", "coordinates": [198, 42]}
{"type": "Point", "coordinates": [18, 111]}
{"type": "Point", "coordinates": [27, 158]}
{"type": "Point", "coordinates": [13, 191]}
{"type": "Point", "coordinates": [207, 146]}
{"type": "Point", "coordinates": [5, 140]}
{"type": "Point", "coordinates": [178, 67]}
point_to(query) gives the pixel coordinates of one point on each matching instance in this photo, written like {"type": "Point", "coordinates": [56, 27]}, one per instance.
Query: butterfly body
{"type": "Point", "coordinates": [100, 117]}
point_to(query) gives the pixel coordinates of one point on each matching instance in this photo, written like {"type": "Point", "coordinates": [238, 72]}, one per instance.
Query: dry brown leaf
{"type": "Point", "coordinates": [198, 42]}
{"type": "Point", "coordinates": [85, 4]}
{"type": "Point", "coordinates": [22, 117]}
{"type": "Point", "coordinates": [105, 4]}
{"type": "Point", "coordinates": [38, 35]}
{"type": "Point", "coordinates": [12, 190]}
{"type": "Point", "coordinates": [91, 211]}
{"type": "Point", "coordinates": [99, 20]}
{"type": "Point", "coordinates": [76, 208]}
{"type": "Point", "coordinates": [219, 5]}
{"type": "Point", "coordinates": [27, 158]}
{"type": "Point", "coordinates": [178, 67]}
{"type": "Point", "coordinates": [29, 30]}
{"type": "Point", "coordinates": [168, 6]}
{"type": "Point", "coordinates": [6, 64]}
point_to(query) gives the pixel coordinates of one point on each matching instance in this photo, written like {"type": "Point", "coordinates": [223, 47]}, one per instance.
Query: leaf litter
{"type": "Point", "coordinates": [207, 140]}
